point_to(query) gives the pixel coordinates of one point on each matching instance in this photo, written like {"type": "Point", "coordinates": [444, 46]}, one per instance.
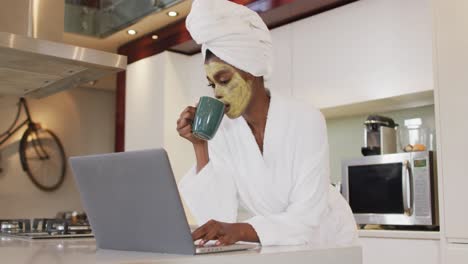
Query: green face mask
{"type": "Point", "coordinates": [236, 92]}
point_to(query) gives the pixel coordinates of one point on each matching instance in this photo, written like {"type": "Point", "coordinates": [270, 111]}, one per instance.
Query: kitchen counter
{"type": "Point", "coordinates": [83, 250]}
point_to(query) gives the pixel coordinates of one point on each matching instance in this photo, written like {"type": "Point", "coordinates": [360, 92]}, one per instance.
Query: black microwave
{"type": "Point", "coordinates": [392, 189]}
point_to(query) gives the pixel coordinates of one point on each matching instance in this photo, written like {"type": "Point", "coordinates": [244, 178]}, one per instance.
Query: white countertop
{"type": "Point", "coordinates": [83, 250]}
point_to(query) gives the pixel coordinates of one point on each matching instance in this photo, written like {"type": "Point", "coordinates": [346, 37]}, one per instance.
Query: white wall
{"type": "Point", "coordinates": [159, 88]}
{"type": "Point", "coordinates": [144, 99]}
{"type": "Point", "coordinates": [83, 119]}
{"type": "Point", "coordinates": [185, 85]}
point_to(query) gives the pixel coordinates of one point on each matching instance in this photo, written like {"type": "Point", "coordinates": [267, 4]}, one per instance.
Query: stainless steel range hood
{"type": "Point", "coordinates": [30, 65]}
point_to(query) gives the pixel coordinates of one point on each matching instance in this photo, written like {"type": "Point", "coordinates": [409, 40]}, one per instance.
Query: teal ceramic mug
{"type": "Point", "coordinates": [208, 117]}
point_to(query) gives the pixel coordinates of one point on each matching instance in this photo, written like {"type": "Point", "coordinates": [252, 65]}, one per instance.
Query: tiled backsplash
{"type": "Point", "coordinates": [346, 135]}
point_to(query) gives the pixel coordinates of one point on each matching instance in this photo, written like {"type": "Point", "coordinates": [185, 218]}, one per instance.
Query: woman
{"type": "Point", "coordinates": [269, 158]}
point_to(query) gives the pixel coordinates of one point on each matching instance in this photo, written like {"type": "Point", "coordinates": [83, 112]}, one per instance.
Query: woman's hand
{"type": "Point", "coordinates": [225, 233]}
{"type": "Point", "coordinates": [184, 125]}
{"type": "Point", "coordinates": [184, 128]}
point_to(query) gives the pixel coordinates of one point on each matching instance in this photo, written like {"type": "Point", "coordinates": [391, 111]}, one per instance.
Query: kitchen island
{"type": "Point", "coordinates": [83, 250]}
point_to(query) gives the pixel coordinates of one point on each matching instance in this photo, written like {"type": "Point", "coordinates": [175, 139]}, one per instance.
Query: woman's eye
{"type": "Point", "coordinates": [224, 82]}
{"type": "Point", "coordinates": [212, 85]}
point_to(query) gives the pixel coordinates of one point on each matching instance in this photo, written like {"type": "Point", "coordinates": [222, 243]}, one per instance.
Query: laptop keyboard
{"type": "Point", "coordinates": [210, 244]}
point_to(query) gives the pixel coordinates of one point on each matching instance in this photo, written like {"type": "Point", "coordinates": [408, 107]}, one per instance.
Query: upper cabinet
{"type": "Point", "coordinates": [363, 51]}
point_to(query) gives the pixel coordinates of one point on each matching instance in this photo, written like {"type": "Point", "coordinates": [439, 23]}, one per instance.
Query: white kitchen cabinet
{"type": "Point", "coordinates": [401, 251]}
{"type": "Point", "coordinates": [366, 50]}
{"type": "Point", "coordinates": [144, 100]}
{"type": "Point", "coordinates": [451, 92]}
{"type": "Point", "coordinates": [457, 254]}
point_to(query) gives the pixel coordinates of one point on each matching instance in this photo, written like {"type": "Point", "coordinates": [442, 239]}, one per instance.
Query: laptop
{"type": "Point", "coordinates": [132, 203]}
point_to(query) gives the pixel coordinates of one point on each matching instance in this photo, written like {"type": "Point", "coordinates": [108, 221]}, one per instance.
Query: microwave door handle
{"type": "Point", "coordinates": [408, 190]}
{"type": "Point", "coordinates": [411, 183]}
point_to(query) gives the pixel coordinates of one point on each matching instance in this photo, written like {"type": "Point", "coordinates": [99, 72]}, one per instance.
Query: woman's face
{"type": "Point", "coordinates": [234, 90]}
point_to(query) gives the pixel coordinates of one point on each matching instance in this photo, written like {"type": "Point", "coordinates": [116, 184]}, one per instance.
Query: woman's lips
{"type": "Point", "coordinates": [226, 108]}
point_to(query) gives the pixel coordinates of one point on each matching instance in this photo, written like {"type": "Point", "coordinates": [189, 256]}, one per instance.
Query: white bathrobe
{"type": "Point", "coordinates": [286, 191]}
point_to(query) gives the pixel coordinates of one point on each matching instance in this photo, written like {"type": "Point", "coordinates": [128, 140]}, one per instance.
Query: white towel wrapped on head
{"type": "Point", "coordinates": [234, 33]}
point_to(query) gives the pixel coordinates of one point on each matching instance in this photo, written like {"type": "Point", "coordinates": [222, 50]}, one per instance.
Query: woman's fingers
{"type": "Point", "coordinates": [184, 125]}
{"type": "Point", "coordinates": [211, 235]}
{"type": "Point", "coordinates": [200, 232]}
{"type": "Point", "coordinates": [224, 233]}
{"type": "Point", "coordinates": [188, 113]}
{"type": "Point", "coordinates": [189, 110]}
{"type": "Point", "coordinates": [186, 131]}
{"type": "Point", "coordinates": [186, 117]}
{"type": "Point", "coordinates": [225, 241]}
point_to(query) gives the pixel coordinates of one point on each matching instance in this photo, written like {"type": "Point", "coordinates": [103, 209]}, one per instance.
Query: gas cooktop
{"type": "Point", "coordinates": [47, 228]}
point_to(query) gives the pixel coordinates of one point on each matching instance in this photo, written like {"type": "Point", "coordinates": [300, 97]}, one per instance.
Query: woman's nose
{"type": "Point", "coordinates": [218, 94]}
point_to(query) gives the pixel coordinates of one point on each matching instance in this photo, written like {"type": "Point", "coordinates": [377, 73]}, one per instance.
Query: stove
{"type": "Point", "coordinates": [65, 225]}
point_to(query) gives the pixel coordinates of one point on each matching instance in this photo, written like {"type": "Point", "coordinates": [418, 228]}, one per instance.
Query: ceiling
{"type": "Point", "coordinates": [111, 43]}
{"type": "Point", "coordinates": [146, 25]}
{"type": "Point", "coordinates": [277, 13]}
